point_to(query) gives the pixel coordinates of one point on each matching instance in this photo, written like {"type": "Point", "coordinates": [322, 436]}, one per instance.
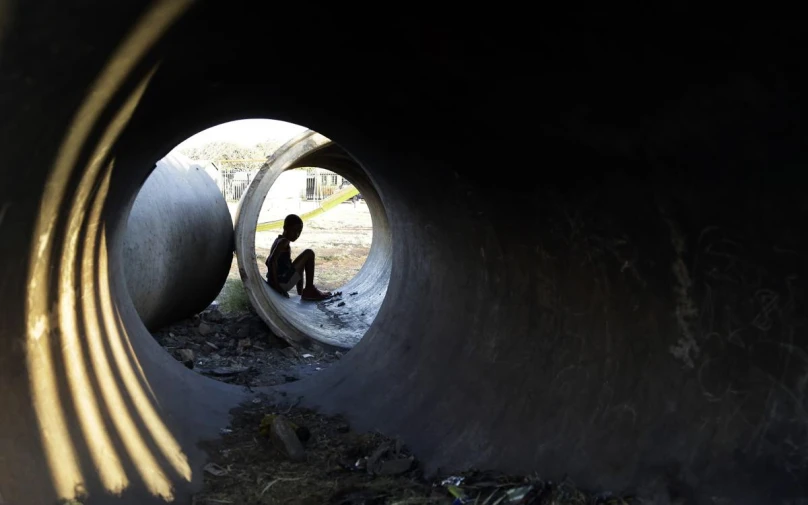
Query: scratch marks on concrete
{"type": "Point", "coordinates": [3, 209]}
{"type": "Point", "coordinates": [686, 348]}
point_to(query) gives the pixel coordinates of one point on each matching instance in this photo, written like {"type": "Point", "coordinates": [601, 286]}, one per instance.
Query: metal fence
{"type": "Point", "coordinates": [235, 183]}
{"type": "Point", "coordinates": [320, 184]}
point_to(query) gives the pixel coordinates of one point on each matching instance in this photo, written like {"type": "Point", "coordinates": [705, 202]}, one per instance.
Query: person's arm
{"type": "Point", "coordinates": [272, 263]}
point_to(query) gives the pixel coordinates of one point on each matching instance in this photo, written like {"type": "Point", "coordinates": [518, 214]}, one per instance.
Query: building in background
{"type": "Point", "coordinates": [306, 184]}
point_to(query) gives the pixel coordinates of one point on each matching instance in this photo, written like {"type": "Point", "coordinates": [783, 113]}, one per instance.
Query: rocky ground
{"type": "Point", "coordinates": [275, 453]}
{"type": "Point", "coordinates": [238, 348]}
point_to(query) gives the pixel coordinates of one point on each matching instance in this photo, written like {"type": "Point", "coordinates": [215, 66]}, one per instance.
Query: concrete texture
{"type": "Point", "coordinates": [303, 323]}
{"type": "Point", "coordinates": [598, 253]}
{"type": "Point", "coordinates": [179, 243]}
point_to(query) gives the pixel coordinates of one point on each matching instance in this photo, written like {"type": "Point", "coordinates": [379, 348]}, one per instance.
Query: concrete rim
{"type": "Point", "coordinates": [305, 323]}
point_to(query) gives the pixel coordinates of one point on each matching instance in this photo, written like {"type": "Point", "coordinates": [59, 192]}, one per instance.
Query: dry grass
{"type": "Point", "coordinates": [233, 297]}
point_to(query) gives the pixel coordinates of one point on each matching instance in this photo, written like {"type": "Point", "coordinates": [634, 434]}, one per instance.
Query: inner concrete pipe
{"type": "Point", "coordinates": [598, 257]}
{"type": "Point", "coordinates": [299, 322]}
{"type": "Point", "coordinates": [178, 245]}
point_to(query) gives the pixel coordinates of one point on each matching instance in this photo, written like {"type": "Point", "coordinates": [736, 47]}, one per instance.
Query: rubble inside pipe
{"type": "Point", "coordinates": [251, 464]}
{"type": "Point", "coordinates": [238, 348]}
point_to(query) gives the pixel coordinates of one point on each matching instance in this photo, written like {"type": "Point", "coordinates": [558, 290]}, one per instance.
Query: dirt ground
{"type": "Point", "coordinates": [238, 348]}
{"type": "Point", "coordinates": [251, 464]}
{"type": "Point", "coordinates": [252, 467]}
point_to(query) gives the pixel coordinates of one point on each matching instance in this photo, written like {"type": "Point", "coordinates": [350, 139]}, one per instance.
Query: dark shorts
{"type": "Point", "coordinates": [288, 277]}
{"type": "Point", "coordinates": [285, 273]}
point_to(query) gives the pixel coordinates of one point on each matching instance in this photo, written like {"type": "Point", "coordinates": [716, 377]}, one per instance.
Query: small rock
{"type": "Point", "coordinates": [224, 371]}
{"type": "Point", "coordinates": [273, 340]}
{"type": "Point", "coordinates": [171, 335]}
{"type": "Point", "coordinates": [232, 343]}
{"type": "Point", "coordinates": [289, 352]}
{"type": "Point", "coordinates": [187, 357]}
{"type": "Point", "coordinates": [341, 304]}
{"type": "Point", "coordinates": [243, 332]}
{"type": "Point", "coordinates": [214, 469]}
{"type": "Point", "coordinates": [338, 354]}
{"type": "Point", "coordinates": [244, 343]}
{"type": "Point", "coordinates": [212, 345]}
{"type": "Point", "coordinates": [285, 438]}
{"type": "Point", "coordinates": [374, 459]}
{"type": "Point", "coordinates": [308, 356]}
{"type": "Point", "coordinates": [205, 329]}
{"type": "Point", "coordinates": [394, 467]}
{"type": "Point", "coordinates": [214, 316]}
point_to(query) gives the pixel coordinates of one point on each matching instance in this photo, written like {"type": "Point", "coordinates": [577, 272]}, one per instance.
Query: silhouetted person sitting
{"type": "Point", "coordinates": [283, 273]}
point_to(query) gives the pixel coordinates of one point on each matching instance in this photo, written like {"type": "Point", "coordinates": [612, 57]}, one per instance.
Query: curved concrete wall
{"type": "Point", "coordinates": [178, 245]}
{"type": "Point", "coordinates": [604, 277]}
{"type": "Point", "coordinates": [304, 323]}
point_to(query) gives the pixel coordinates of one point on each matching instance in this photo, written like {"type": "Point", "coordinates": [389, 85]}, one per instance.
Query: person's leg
{"type": "Point", "coordinates": [305, 264]}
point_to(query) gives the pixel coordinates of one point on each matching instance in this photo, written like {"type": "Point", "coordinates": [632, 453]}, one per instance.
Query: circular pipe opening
{"type": "Point", "coordinates": [337, 323]}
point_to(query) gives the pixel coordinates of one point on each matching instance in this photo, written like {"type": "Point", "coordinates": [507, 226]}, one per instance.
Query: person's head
{"type": "Point", "coordinates": [292, 227]}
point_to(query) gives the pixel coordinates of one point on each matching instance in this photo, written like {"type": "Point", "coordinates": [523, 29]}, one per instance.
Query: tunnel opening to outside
{"type": "Point", "coordinates": [180, 244]}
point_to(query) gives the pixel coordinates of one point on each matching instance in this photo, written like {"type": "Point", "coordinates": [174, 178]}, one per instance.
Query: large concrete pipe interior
{"type": "Point", "coordinates": [331, 325]}
{"type": "Point", "coordinates": [598, 257]}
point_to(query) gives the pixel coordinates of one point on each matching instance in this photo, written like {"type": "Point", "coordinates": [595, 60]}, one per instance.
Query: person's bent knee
{"type": "Point", "coordinates": [309, 253]}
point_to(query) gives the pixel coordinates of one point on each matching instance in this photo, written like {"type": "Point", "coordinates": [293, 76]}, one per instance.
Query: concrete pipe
{"type": "Point", "coordinates": [599, 264]}
{"type": "Point", "coordinates": [178, 245]}
{"type": "Point", "coordinates": [300, 322]}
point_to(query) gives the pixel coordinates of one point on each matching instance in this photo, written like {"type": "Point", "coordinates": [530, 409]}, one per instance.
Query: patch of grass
{"type": "Point", "coordinates": [233, 298]}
